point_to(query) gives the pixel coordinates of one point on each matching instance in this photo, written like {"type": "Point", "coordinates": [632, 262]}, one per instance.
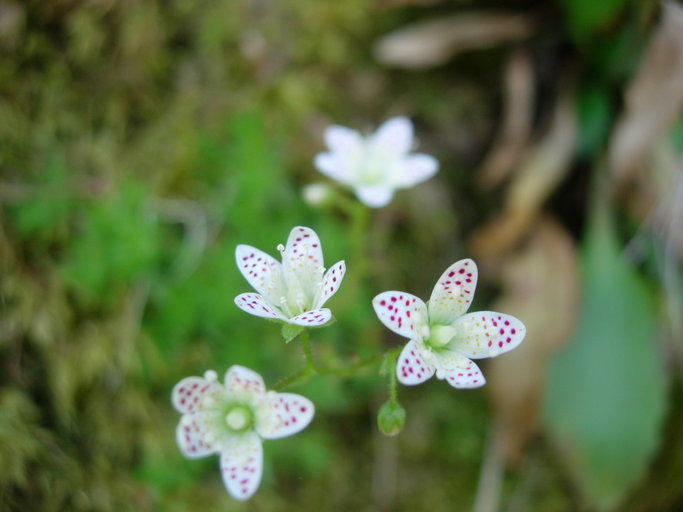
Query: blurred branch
{"type": "Point", "coordinates": [434, 42]}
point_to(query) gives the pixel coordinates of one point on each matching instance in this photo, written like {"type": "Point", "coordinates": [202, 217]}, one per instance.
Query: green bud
{"type": "Point", "coordinates": [391, 418]}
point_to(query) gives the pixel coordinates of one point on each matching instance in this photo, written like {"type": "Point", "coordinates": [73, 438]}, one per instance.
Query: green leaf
{"type": "Point", "coordinates": [586, 16]}
{"type": "Point", "coordinates": [290, 331]}
{"type": "Point", "coordinates": [605, 397]}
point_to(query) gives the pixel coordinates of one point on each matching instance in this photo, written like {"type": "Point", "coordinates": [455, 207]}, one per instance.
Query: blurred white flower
{"type": "Point", "coordinates": [231, 420]}
{"type": "Point", "coordinates": [442, 337]}
{"type": "Point", "coordinates": [295, 290]}
{"type": "Point", "coordinates": [376, 165]}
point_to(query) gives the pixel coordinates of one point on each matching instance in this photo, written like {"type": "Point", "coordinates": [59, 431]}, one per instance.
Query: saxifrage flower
{"type": "Point", "coordinates": [444, 338]}
{"type": "Point", "coordinates": [232, 419]}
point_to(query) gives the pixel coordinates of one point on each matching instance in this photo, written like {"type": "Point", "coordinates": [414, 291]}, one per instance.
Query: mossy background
{"type": "Point", "coordinates": [141, 141]}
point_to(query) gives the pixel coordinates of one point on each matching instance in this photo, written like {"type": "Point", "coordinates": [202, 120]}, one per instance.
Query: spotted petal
{"type": "Point", "coordinates": [244, 383]}
{"type": "Point", "coordinates": [304, 260]}
{"type": "Point", "coordinates": [313, 318]}
{"type": "Point", "coordinates": [189, 394]}
{"type": "Point", "coordinates": [411, 368]}
{"type": "Point", "coordinates": [487, 334]}
{"type": "Point", "coordinates": [401, 312]}
{"type": "Point", "coordinates": [395, 135]}
{"type": "Point", "coordinates": [466, 375]}
{"type": "Point", "coordinates": [331, 282]}
{"type": "Point", "coordinates": [262, 271]}
{"type": "Point", "coordinates": [257, 305]}
{"type": "Point", "coordinates": [417, 168]}
{"type": "Point", "coordinates": [284, 414]}
{"type": "Point", "coordinates": [242, 466]}
{"type": "Point", "coordinates": [453, 292]}
{"type": "Point", "coordinates": [193, 434]}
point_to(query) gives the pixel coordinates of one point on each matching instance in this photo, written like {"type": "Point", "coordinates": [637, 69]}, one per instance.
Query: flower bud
{"type": "Point", "coordinates": [391, 418]}
{"type": "Point", "coordinates": [318, 195]}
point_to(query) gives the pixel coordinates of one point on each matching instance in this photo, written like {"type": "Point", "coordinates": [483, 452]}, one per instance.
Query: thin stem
{"type": "Point", "coordinates": [308, 352]}
{"type": "Point", "coordinates": [391, 358]}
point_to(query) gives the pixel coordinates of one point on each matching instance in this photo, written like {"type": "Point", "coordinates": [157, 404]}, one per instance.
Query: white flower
{"type": "Point", "coordinates": [442, 337]}
{"type": "Point", "coordinates": [295, 290]}
{"type": "Point", "coordinates": [376, 165]}
{"type": "Point", "coordinates": [231, 420]}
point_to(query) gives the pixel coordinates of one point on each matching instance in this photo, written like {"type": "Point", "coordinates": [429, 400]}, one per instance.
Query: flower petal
{"type": "Point", "coordinates": [453, 292]}
{"type": "Point", "coordinates": [284, 414]}
{"type": "Point", "coordinates": [417, 168]}
{"type": "Point", "coordinates": [193, 434]}
{"type": "Point", "coordinates": [401, 312]}
{"type": "Point", "coordinates": [374, 197]}
{"type": "Point", "coordinates": [487, 334]}
{"type": "Point", "coordinates": [304, 260]}
{"type": "Point", "coordinates": [262, 271]}
{"type": "Point", "coordinates": [242, 466]}
{"type": "Point", "coordinates": [312, 318]}
{"type": "Point", "coordinates": [244, 383]}
{"type": "Point", "coordinates": [466, 376]}
{"type": "Point", "coordinates": [189, 394]}
{"type": "Point", "coordinates": [257, 305]}
{"type": "Point", "coordinates": [395, 135]}
{"type": "Point", "coordinates": [335, 166]}
{"type": "Point", "coordinates": [411, 369]}
{"type": "Point", "coordinates": [331, 282]}
{"type": "Point", "coordinates": [343, 140]}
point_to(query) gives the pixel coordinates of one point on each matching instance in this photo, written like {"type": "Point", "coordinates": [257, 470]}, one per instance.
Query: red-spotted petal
{"type": "Point", "coordinates": [263, 272]}
{"type": "Point", "coordinates": [189, 394]}
{"type": "Point", "coordinates": [401, 312]}
{"type": "Point", "coordinates": [304, 259]}
{"type": "Point", "coordinates": [453, 292]}
{"type": "Point", "coordinates": [193, 434]}
{"type": "Point", "coordinates": [411, 368]}
{"type": "Point", "coordinates": [466, 375]}
{"type": "Point", "coordinates": [487, 334]}
{"type": "Point", "coordinates": [313, 318]}
{"type": "Point", "coordinates": [284, 414]}
{"type": "Point", "coordinates": [242, 466]}
{"type": "Point", "coordinates": [244, 383]}
{"type": "Point", "coordinates": [331, 282]}
{"type": "Point", "coordinates": [257, 305]}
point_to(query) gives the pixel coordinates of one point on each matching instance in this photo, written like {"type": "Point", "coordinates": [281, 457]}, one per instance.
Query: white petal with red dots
{"type": "Point", "coordinates": [304, 259]}
{"type": "Point", "coordinates": [411, 369]}
{"type": "Point", "coordinates": [453, 292]}
{"type": "Point", "coordinates": [402, 312]}
{"type": "Point", "coordinates": [189, 394]}
{"type": "Point", "coordinates": [487, 334]}
{"type": "Point", "coordinates": [244, 383]}
{"type": "Point", "coordinates": [262, 271]}
{"type": "Point", "coordinates": [257, 305]}
{"type": "Point", "coordinates": [193, 435]}
{"type": "Point", "coordinates": [313, 318]}
{"type": "Point", "coordinates": [466, 376]}
{"type": "Point", "coordinates": [331, 282]}
{"type": "Point", "coordinates": [242, 466]}
{"type": "Point", "coordinates": [284, 414]}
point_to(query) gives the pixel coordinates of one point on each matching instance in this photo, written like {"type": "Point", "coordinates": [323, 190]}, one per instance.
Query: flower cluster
{"type": "Point", "coordinates": [232, 419]}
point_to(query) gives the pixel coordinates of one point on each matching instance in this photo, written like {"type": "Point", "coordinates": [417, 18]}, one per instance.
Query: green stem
{"type": "Point", "coordinates": [308, 352]}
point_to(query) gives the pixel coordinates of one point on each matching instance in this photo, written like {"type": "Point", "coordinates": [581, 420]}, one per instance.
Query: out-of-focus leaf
{"type": "Point", "coordinates": [539, 174]}
{"type": "Point", "coordinates": [654, 98]}
{"type": "Point", "coordinates": [541, 287]}
{"type": "Point", "coordinates": [513, 135]}
{"type": "Point", "coordinates": [432, 43]}
{"type": "Point", "coordinates": [594, 113]}
{"type": "Point", "coordinates": [586, 16]}
{"type": "Point", "coordinates": [606, 392]}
